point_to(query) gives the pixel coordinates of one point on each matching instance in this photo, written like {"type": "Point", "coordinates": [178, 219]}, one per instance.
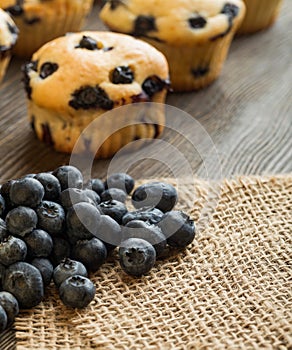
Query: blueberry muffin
{"type": "Point", "coordinates": [194, 35]}
{"type": "Point", "coordinates": [73, 80]}
{"type": "Point", "coordinates": [260, 14]}
{"type": "Point", "coordinates": [40, 21]}
{"type": "Point", "coordinates": [8, 37]}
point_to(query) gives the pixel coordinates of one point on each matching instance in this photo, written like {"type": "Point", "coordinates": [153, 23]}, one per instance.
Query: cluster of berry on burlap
{"type": "Point", "coordinates": [53, 226]}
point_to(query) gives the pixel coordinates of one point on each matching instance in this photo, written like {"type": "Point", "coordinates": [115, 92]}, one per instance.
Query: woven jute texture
{"type": "Point", "coordinates": [231, 289]}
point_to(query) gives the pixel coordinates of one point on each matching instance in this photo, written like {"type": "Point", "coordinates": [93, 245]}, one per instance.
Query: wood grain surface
{"type": "Point", "coordinates": [246, 113]}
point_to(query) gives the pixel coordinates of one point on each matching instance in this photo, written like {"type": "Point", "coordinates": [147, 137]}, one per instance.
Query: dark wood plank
{"type": "Point", "coordinates": [246, 113]}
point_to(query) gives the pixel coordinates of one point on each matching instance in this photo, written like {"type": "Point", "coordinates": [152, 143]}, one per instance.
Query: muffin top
{"type": "Point", "coordinates": [19, 8]}
{"type": "Point", "coordinates": [94, 70]}
{"type": "Point", "coordinates": [8, 32]}
{"type": "Point", "coordinates": [23, 3]}
{"type": "Point", "coordinates": [176, 22]}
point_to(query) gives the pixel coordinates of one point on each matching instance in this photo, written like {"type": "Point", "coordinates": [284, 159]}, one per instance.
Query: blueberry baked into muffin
{"type": "Point", "coordinates": [40, 21]}
{"type": "Point", "coordinates": [8, 37]}
{"type": "Point", "coordinates": [194, 35]}
{"type": "Point", "coordinates": [260, 14]}
{"type": "Point", "coordinates": [76, 78]}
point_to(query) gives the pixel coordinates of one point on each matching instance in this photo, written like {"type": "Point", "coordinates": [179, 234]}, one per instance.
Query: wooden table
{"type": "Point", "coordinates": [246, 113]}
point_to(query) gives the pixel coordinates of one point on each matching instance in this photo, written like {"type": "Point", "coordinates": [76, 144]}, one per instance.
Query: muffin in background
{"type": "Point", "coordinates": [260, 14]}
{"type": "Point", "coordinates": [40, 21]}
{"type": "Point", "coordinates": [73, 80]}
{"type": "Point", "coordinates": [194, 35]}
{"type": "Point", "coordinates": [8, 37]}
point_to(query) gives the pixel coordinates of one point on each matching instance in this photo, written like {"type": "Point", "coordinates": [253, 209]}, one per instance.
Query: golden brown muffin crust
{"type": "Point", "coordinates": [177, 22]}
{"type": "Point", "coordinates": [73, 68]}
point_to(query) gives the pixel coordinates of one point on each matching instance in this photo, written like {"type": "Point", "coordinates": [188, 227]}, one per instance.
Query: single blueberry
{"type": "Point", "coordinates": [51, 186]}
{"type": "Point", "coordinates": [87, 43]}
{"type": "Point", "coordinates": [27, 192]}
{"type": "Point", "coordinates": [45, 267]}
{"type": "Point", "coordinates": [197, 22]}
{"type": "Point", "coordinates": [82, 221]}
{"type": "Point", "coordinates": [148, 232]}
{"type": "Point", "coordinates": [21, 220]}
{"type": "Point", "coordinates": [136, 256]}
{"type": "Point", "coordinates": [68, 268]}
{"type": "Point", "coordinates": [200, 71]}
{"type": "Point", "coordinates": [13, 30]}
{"type": "Point", "coordinates": [72, 196]}
{"type": "Point", "coordinates": [178, 228]}
{"type": "Point", "coordinates": [15, 10]}
{"type": "Point", "coordinates": [69, 177]}
{"type": "Point", "coordinates": [47, 69]}
{"type": "Point", "coordinates": [143, 25]}
{"type": "Point", "coordinates": [96, 185]}
{"type": "Point", "coordinates": [5, 188]}
{"type": "Point", "coordinates": [39, 244]}
{"type": "Point", "coordinates": [92, 253]}
{"type": "Point", "coordinates": [32, 20]}
{"type": "Point", "coordinates": [115, 3]}
{"type": "Point", "coordinates": [109, 232]}
{"type": "Point", "coordinates": [114, 209]}
{"type": "Point", "coordinates": [25, 282]}
{"type": "Point", "coordinates": [230, 10]}
{"type": "Point", "coordinates": [3, 319]}
{"type": "Point", "coordinates": [12, 249]}
{"type": "Point", "coordinates": [122, 181]}
{"type": "Point", "coordinates": [158, 194]}
{"type": "Point", "coordinates": [113, 193]}
{"type": "Point", "coordinates": [51, 217]}
{"type": "Point", "coordinates": [77, 291]}
{"type": "Point", "coordinates": [10, 305]}
{"type": "Point", "coordinates": [150, 214]}
{"type": "Point", "coordinates": [61, 250]}
{"type": "Point", "coordinates": [154, 84]}
{"type": "Point", "coordinates": [122, 75]}
{"type": "Point", "coordinates": [88, 97]}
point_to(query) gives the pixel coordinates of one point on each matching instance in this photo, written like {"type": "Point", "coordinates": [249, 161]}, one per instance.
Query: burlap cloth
{"type": "Point", "coordinates": [231, 289]}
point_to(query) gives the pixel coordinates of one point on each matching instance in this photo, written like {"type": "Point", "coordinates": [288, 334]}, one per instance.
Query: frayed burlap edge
{"type": "Point", "coordinates": [230, 289]}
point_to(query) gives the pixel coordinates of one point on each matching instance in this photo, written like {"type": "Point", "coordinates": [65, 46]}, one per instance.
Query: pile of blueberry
{"type": "Point", "coordinates": [55, 226]}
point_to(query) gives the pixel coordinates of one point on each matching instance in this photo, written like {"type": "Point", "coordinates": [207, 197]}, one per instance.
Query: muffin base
{"type": "Point", "coordinates": [197, 66]}
{"type": "Point", "coordinates": [260, 15]}
{"type": "Point", "coordinates": [67, 135]}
